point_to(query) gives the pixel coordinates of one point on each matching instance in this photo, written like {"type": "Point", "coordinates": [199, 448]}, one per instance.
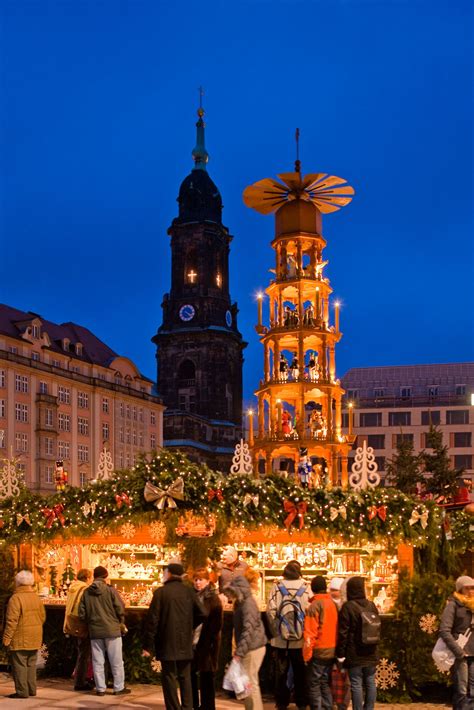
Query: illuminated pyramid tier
{"type": "Point", "coordinates": [299, 398]}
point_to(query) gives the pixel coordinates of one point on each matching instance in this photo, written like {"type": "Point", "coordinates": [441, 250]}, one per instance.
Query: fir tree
{"type": "Point", "coordinates": [404, 469]}
{"type": "Point", "coordinates": [443, 480]}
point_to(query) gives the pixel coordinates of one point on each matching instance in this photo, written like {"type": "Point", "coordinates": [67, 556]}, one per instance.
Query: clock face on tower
{"type": "Point", "coordinates": [187, 312]}
{"type": "Point", "coordinates": [228, 318]}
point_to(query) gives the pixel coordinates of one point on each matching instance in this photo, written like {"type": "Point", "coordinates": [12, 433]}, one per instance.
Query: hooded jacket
{"type": "Point", "coordinates": [349, 637]}
{"type": "Point", "coordinates": [248, 626]}
{"type": "Point", "coordinates": [455, 620]}
{"type": "Point", "coordinates": [101, 608]}
{"type": "Point", "coordinates": [320, 629]}
{"type": "Point", "coordinates": [24, 620]}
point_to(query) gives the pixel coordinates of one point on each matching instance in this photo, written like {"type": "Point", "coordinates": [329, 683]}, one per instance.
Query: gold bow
{"type": "Point", "coordinates": [334, 512]}
{"type": "Point", "coordinates": [163, 498]}
{"type": "Point", "coordinates": [249, 498]}
{"type": "Point", "coordinates": [23, 519]}
{"type": "Point", "coordinates": [88, 508]}
{"type": "Point", "coordinates": [422, 518]}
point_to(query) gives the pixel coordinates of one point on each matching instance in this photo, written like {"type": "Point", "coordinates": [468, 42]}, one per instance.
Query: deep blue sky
{"type": "Point", "coordinates": [97, 127]}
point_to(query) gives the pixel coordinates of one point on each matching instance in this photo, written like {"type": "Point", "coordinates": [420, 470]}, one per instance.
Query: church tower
{"type": "Point", "coordinates": [199, 348]}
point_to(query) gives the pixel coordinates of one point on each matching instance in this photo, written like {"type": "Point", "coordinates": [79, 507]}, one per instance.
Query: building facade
{"type": "Point", "coordinates": [199, 347]}
{"type": "Point", "coordinates": [65, 395]}
{"type": "Point", "coordinates": [402, 401]}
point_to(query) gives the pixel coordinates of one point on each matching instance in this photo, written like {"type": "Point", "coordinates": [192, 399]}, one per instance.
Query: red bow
{"type": "Point", "coordinates": [294, 511]}
{"type": "Point", "coordinates": [381, 512]}
{"type": "Point", "coordinates": [121, 499]}
{"type": "Point", "coordinates": [54, 513]}
{"type": "Point", "coordinates": [215, 493]}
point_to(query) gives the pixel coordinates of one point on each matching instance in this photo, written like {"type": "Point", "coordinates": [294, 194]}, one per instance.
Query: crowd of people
{"type": "Point", "coordinates": [323, 638]}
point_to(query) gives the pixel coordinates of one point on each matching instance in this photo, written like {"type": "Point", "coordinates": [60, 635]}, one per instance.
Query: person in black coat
{"type": "Point", "coordinates": [206, 643]}
{"type": "Point", "coordinates": [174, 612]}
{"type": "Point", "coordinates": [360, 659]}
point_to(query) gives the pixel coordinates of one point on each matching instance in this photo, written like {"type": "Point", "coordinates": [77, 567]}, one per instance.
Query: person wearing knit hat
{"type": "Point", "coordinates": [286, 651]}
{"type": "Point", "coordinates": [358, 657]}
{"type": "Point", "coordinates": [319, 649]}
{"type": "Point", "coordinates": [335, 590]}
{"type": "Point", "coordinates": [174, 613]}
{"type": "Point", "coordinates": [456, 619]}
{"type": "Point", "coordinates": [104, 613]}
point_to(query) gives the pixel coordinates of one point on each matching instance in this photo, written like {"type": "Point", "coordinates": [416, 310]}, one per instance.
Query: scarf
{"type": "Point", "coordinates": [467, 601]}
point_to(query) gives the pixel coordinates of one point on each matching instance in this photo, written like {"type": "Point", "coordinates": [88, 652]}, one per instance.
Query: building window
{"type": "Point", "coordinates": [376, 441]}
{"type": "Point", "coordinates": [426, 440]}
{"type": "Point", "coordinates": [433, 391]}
{"type": "Point", "coordinates": [48, 446]}
{"type": "Point", "coordinates": [64, 450]}
{"type": "Point", "coordinates": [105, 431]}
{"type": "Point", "coordinates": [122, 409]}
{"type": "Point", "coordinates": [457, 416]}
{"type": "Point", "coordinates": [56, 363]}
{"type": "Point", "coordinates": [345, 420]}
{"type": "Point", "coordinates": [431, 418]}
{"type": "Point", "coordinates": [134, 412]}
{"type": "Point", "coordinates": [3, 438]}
{"type": "Point", "coordinates": [379, 392]}
{"type": "Point", "coordinates": [460, 390]}
{"type": "Point", "coordinates": [49, 474]}
{"type": "Point", "coordinates": [140, 415]}
{"type": "Point", "coordinates": [13, 349]}
{"type": "Point", "coordinates": [401, 438]}
{"type": "Point", "coordinates": [21, 383]}
{"type": "Point", "coordinates": [83, 477]}
{"type": "Point", "coordinates": [121, 437]}
{"type": "Point", "coordinates": [35, 355]}
{"type": "Point", "coordinates": [118, 378]}
{"type": "Point", "coordinates": [83, 453]}
{"type": "Point", "coordinates": [367, 419]}
{"type": "Point", "coordinates": [48, 417]}
{"type": "Point", "coordinates": [83, 400]}
{"type": "Point", "coordinates": [64, 395]}
{"type": "Point", "coordinates": [463, 461]}
{"type": "Point", "coordinates": [83, 426]}
{"type": "Point", "coordinates": [105, 405]}
{"type": "Point", "coordinates": [128, 436]}
{"type": "Point", "coordinates": [43, 388]}
{"type": "Point", "coordinates": [64, 422]}
{"type": "Point", "coordinates": [21, 442]}
{"type": "Point", "coordinates": [3, 408]}
{"type": "Point", "coordinates": [352, 394]}
{"type": "Point", "coordinates": [36, 331]}
{"type": "Point", "coordinates": [153, 418]}
{"type": "Point", "coordinates": [462, 439]}
{"type": "Point", "coordinates": [152, 441]}
{"type": "Point", "coordinates": [134, 437]}
{"type": "Point", "coordinates": [405, 392]}
{"type": "Point", "coordinates": [380, 461]}
{"type": "Point", "coordinates": [121, 459]}
{"type": "Point", "coordinates": [140, 438]}
{"type": "Point", "coordinates": [399, 418]}
{"type": "Point", "coordinates": [3, 378]}
{"type": "Point", "coordinates": [22, 469]}
{"type": "Point", "coordinates": [21, 412]}
{"type": "Point", "coordinates": [128, 411]}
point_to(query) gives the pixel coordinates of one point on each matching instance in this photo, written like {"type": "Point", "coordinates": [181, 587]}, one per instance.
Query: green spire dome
{"type": "Point", "coordinates": [200, 154]}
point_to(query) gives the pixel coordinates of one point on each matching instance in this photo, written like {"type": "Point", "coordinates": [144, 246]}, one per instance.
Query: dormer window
{"type": "Point", "coordinates": [118, 378]}
{"type": "Point", "coordinates": [66, 343]}
{"type": "Point", "coordinates": [78, 348]}
{"type": "Point", "coordinates": [36, 331]}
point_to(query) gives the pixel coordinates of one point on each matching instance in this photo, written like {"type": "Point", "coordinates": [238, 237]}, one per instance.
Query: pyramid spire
{"type": "Point", "coordinates": [200, 154]}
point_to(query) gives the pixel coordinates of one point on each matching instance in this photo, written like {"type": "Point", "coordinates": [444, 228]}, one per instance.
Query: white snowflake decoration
{"type": "Point", "coordinates": [386, 674]}
{"type": "Point", "coordinates": [127, 531]}
{"type": "Point", "coordinates": [429, 623]}
{"type": "Point", "coordinates": [43, 651]}
{"type": "Point", "coordinates": [157, 531]}
{"type": "Point", "coordinates": [11, 479]}
{"type": "Point", "coordinates": [105, 466]}
{"type": "Point", "coordinates": [242, 459]}
{"type": "Point", "coordinates": [364, 469]}
{"type": "Point", "coordinates": [156, 665]}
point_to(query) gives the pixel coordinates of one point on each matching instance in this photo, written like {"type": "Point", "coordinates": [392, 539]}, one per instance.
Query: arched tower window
{"type": "Point", "coordinates": [187, 386]}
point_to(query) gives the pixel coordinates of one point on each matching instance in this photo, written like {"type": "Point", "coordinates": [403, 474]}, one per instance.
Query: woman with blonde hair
{"type": "Point", "coordinates": [23, 633]}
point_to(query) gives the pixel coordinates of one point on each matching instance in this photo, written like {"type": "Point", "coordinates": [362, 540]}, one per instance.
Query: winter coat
{"type": "Point", "coordinates": [248, 627]}
{"type": "Point", "coordinates": [349, 637]}
{"type": "Point", "coordinates": [174, 612]}
{"type": "Point", "coordinates": [230, 572]}
{"type": "Point", "coordinates": [24, 620]}
{"type": "Point", "coordinates": [206, 653]}
{"type": "Point", "coordinates": [102, 610]}
{"type": "Point", "coordinates": [274, 601]}
{"type": "Point", "coordinates": [455, 619]}
{"type": "Point", "coordinates": [320, 629]}
{"type": "Point", "coordinates": [73, 599]}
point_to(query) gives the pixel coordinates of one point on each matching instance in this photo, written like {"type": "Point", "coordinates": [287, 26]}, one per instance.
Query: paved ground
{"type": "Point", "coordinates": [59, 694]}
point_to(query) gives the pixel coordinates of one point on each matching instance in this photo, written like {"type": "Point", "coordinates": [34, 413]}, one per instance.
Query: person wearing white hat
{"type": "Point", "coordinates": [335, 590]}
{"type": "Point", "coordinates": [457, 617]}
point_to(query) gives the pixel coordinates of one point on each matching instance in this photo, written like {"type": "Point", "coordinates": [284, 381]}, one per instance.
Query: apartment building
{"type": "Point", "coordinates": [64, 394]}
{"type": "Point", "coordinates": [401, 401]}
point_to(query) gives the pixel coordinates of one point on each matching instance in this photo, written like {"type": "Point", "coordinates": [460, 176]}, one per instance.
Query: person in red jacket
{"type": "Point", "coordinates": [319, 649]}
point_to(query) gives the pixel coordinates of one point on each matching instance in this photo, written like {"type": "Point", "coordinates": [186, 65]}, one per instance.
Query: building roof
{"type": "Point", "coordinates": [13, 323]}
{"type": "Point", "coordinates": [438, 373]}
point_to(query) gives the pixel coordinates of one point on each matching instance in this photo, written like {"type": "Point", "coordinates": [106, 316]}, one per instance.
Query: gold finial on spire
{"type": "Point", "coordinates": [297, 161]}
{"type": "Point", "coordinates": [200, 111]}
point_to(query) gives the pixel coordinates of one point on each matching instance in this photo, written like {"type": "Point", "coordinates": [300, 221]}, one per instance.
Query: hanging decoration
{"type": "Point", "coordinates": [122, 499]}
{"type": "Point", "coordinates": [89, 508]}
{"type": "Point", "coordinates": [242, 460]}
{"type": "Point", "coordinates": [127, 530]}
{"type": "Point", "coordinates": [380, 511]}
{"type": "Point", "coordinates": [429, 623]}
{"type": "Point", "coordinates": [11, 478]}
{"type": "Point", "coordinates": [23, 518]}
{"type": "Point", "coordinates": [419, 517]}
{"type": "Point", "coordinates": [215, 493]}
{"type": "Point", "coordinates": [54, 513]}
{"type": "Point", "coordinates": [295, 511]}
{"type": "Point", "coordinates": [249, 498]}
{"type": "Point", "coordinates": [157, 531]}
{"type": "Point", "coordinates": [60, 476]}
{"type": "Point", "coordinates": [364, 469]}
{"type": "Point", "coordinates": [165, 498]}
{"type": "Point", "coordinates": [340, 510]}
{"type": "Point", "coordinates": [386, 674]}
{"type": "Point", "coordinates": [105, 466]}
{"type": "Point", "coordinates": [191, 525]}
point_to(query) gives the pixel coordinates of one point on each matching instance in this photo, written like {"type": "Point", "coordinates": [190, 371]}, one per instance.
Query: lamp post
{"type": "Point", "coordinates": [260, 308]}
{"type": "Point", "coordinates": [250, 421]}
{"type": "Point", "coordinates": [351, 418]}
{"type": "Point", "coordinates": [337, 305]}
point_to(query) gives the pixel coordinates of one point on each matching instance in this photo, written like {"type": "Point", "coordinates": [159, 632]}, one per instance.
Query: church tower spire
{"type": "Point", "coordinates": [200, 154]}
